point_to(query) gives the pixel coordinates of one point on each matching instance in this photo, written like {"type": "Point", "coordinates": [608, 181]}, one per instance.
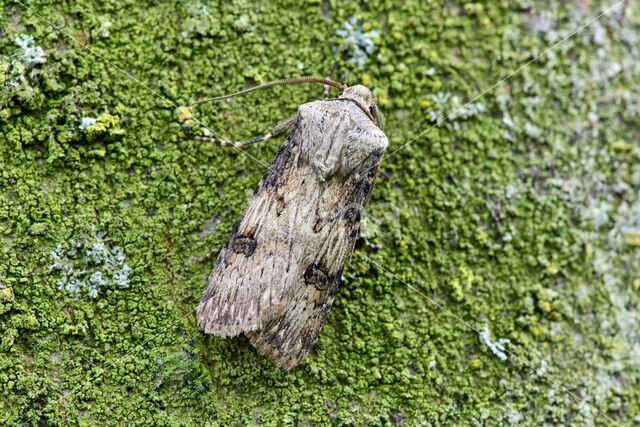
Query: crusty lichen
{"type": "Point", "coordinates": [520, 213]}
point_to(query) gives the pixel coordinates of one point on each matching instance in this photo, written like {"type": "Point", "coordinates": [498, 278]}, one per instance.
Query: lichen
{"type": "Point", "coordinates": [358, 41]}
{"type": "Point", "coordinates": [104, 124]}
{"type": "Point", "coordinates": [32, 55]}
{"type": "Point", "coordinates": [496, 347]}
{"type": "Point", "coordinates": [89, 264]}
{"type": "Point", "coordinates": [86, 122]}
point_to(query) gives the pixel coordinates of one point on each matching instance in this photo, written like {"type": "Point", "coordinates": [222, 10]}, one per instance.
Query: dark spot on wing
{"type": "Point", "coordinates": [317, 276]}
{"type": "Point", "coordinates": [243, 244]}
{"type": "Point", "coordinates": [352, 214]}
{"type": "Point", "coordinates": [318, 224]}
{"type": "Point", "coordinates": [280, 204]}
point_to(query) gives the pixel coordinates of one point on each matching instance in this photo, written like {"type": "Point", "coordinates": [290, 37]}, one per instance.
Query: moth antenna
{"type": "Point", "coordinates": [295, 80]}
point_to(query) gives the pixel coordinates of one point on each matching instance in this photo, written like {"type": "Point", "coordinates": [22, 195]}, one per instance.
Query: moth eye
{"type": "Point", "coordinates": [244, 244]}
{"type": "Point", "coordinates": [316, 276]}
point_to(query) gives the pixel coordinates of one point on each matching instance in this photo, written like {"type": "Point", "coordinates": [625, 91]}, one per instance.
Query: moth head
{"type": "Point", "coordinates": [362, 96]}
{"type": "Point", "coordinates": [358, 93]}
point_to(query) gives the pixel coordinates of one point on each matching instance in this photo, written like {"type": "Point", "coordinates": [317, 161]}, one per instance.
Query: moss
{"type": "Point", "coordinates": [521, 215]}
{"type": "Point", "coordinates": [104, 124]}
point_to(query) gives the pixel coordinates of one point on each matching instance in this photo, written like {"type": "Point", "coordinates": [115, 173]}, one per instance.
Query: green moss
{"type": "Point", "coordinates": [520, 214]}
{"type": "Point", "coordinates": [105, 124]}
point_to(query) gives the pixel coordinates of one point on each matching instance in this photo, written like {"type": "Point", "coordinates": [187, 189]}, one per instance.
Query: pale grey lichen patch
{"type": "Point", "coordinates": [626, 227]}
{"type": "Point", "coordinates": [86, 122]}
{"type": "Point", "coordinates": [89, 264]}
{"type": "Point", "coordinates": [532, 130]}
{"type": "Point", "coordinates": [199, 21]}
{"type": "Point", "coordinates": [103, 30]}
{"type": "Point", "coordinates": [452, 109]}
{"type": "Point", "coordinates": [358, 44]}
{"type": "Point", "coordinates": [514, 417]}
{"type": "Point", "coordinates": [209, 227]}
{"type": "Point", "coordinates": [497, 347]}
{"type": "Point", "coordinates": [33, 55]}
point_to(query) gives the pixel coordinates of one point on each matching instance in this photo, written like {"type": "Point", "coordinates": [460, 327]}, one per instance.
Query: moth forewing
{"type": "Point", "coordinates": [276, 276]}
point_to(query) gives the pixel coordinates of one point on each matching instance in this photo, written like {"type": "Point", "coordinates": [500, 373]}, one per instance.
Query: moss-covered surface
{"type": "Point", "coordinates": [520, 213]}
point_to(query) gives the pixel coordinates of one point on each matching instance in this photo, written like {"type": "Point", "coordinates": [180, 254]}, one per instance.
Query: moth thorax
{"type": "Point", "coordinates": [359, 94]}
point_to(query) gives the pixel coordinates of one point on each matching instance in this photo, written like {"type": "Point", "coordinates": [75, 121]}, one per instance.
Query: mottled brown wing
{"type": "Point", "coordinates": [253, 270]}
{"type": "Point", "coordinates": [285, 256]}
{"type": "Point", "coordinates": [288, 337]}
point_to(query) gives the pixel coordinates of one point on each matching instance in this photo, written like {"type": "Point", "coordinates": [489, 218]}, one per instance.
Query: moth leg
{"type": "Point", "coordinates": [283, 127]}
{"type": "Point", "coordinates": [385, 174]}
{"type": "Point", "coordinates": [368, 243]}
{"type": "Point", "coordinates": [325, 91]}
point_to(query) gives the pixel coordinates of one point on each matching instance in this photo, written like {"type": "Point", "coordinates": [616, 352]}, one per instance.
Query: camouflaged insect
{"type": "Point", "coordinates": [276, 276]}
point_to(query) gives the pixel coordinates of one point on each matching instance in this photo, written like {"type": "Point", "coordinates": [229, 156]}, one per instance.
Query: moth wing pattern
{"type": "Point", "coordinates": [288, 337]}
{"type": "Point", "coordinates": [277, 274]}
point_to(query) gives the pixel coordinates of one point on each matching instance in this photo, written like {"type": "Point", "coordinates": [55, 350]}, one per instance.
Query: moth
{"type": "Point", "coordinates": [276, 276]}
